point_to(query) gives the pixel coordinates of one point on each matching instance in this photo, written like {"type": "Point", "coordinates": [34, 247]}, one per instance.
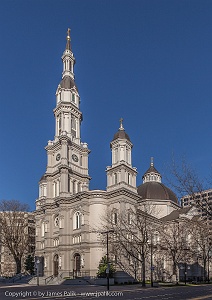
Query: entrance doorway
{"type": "Point", "coordinates": [55, 265]}
{"type": "Point", "coordinates": [77, 264]}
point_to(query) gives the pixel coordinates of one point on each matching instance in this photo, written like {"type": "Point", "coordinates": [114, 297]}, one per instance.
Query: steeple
{"type": "Point", "coordinates": [152, 174]}
{"type": "Point", "coordinates": [67, 114]}
{"type": "Point", "coordinates": [68, 58]}
{"type": "Point", "coordinates": [121, 173]}
{"type": "Point", "coordinates": [67, 156]}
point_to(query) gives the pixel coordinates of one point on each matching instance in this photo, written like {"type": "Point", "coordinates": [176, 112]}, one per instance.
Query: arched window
{"type": "Point", "coordinates": [69, 187]}
{"type": "Point", "coordinates": [73, 126]}
{"type": "Point", "coordinates": [114, 218]}
{"type": "Point", "coordinates": [115, 178]}
{"type": "Point", "coordinates": [59, 125]}
{"type": "Point", "coordinates": [56, 221]}
{"type": "Point", "coordinates": [44, 190]}
{"type": "Point", "coordinates": [79, 187]}
{"type": "Point", "coordinates": [73, 97]}
{"type": "Point", "coordinates": [129, 217]}
{"type": "Point", "coordinates": [74, 186]}
{"type": "Point", "coordinates": [56, 242]}
{"type": "Point", "coordinates": [70, 66]}
{"type": "Point", "coordinates": [116, 155]}
{"type": "Point", "coordinates": [127, 155]}
{"type": "Point", "coordinates": [58, 188]}
{"type": "Point", "coordinates": [42, 229]}
{"type": "Point", "coordinates": [42, 245]}
{"type": "Point", "coordinates": [55, 189]}
{"type": "Point", "coordinates": [77, 220]}
{"type": "Point", "coordinates": [128, 178]}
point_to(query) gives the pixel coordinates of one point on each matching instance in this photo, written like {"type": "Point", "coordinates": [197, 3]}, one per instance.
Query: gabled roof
{"type": "Point", "coordinates": [177, 214]}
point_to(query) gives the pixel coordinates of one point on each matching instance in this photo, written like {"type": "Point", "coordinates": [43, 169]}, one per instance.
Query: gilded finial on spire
{"type": "Point", "coordinates": [152, 161]}
{"type": "Point", "coordinates": [121, 124]}
{"type": "Point", "coordinates": [68, 38]}
{"type": "Point", "coordinates": [68, 34]}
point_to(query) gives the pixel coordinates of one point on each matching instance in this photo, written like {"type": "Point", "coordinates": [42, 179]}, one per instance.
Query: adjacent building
{"type": "Point", "coordinates": [24, 244]}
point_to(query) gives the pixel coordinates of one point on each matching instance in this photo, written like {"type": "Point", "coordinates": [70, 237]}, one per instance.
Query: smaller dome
{"type": "Point", "coordinates": [121, 134]}
{"type": "Point", "coordinates": [67, 83]}
{"type": "Point", "coordinates": [151, 170]}
{"type": "Point", "coordinates": [152, 188]}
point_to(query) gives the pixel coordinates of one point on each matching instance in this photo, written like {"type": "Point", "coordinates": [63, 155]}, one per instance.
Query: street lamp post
{"type": "Point", "coordinates": [151, 263]}
{"type": "Point", "coordinates": [186, 250]}
{"type": "Point", "coordinates": [185, 273]}
{"type": "Point", "coordinates": [209, 250]}
{"type": "Point", "coordinates": [108, 266]}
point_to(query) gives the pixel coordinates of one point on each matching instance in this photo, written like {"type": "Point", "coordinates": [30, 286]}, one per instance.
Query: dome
{"type": "Point", "coordinates": [67, 83]}
{"type": "Point", "coordinates": [153, 188]}
{"type": "Point", "coordinates": [156, 191]}
{"type": "Point", "coordinates": [121, 134]}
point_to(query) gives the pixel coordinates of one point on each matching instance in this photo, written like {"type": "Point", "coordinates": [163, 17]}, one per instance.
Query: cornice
{"type": "Point", "coordinates": [121, 165]}
{"type": "Point", "coordinates": [56, 145]}
{"type": "Point", "coordinates": [79, 148]}
{"type": "Point", "coordinates": [86, 196]}
{"type": "Point", "coordinates": [124, 141]}
{"type": "Point", "coordinates": [123, 192]}
{"type": "Point", "coordinates": [68, 106]}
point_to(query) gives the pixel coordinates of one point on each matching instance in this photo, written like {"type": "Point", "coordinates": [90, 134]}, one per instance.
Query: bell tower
{"type": "Point", "coordinates": [121, 173]}
{"type": "Point", "coordinates": [67, 157]}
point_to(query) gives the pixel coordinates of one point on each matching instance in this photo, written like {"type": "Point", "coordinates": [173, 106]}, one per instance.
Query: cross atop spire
{"type": "Point", "coordinates": [152, 161]}
{"type": "Point", "coordinates": [121, 124]}
{"type": "Point", "coordinates": [68, 38]}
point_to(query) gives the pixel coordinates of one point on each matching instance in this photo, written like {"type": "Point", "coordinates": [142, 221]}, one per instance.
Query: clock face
{"type": "Point", "coordinates": [58, 156]}
{"type": "Point", "coordinates": [75, 158]}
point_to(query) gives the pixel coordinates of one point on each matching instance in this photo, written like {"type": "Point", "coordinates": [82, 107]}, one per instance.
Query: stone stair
{"type": "Point", "coordinates": [123, 277]}
{"type": "Point", "coordinates": [42, 280]}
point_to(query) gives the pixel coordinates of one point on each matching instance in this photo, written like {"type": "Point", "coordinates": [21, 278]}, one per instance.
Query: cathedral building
{"type": "Point", "coordinates": [68, 213]}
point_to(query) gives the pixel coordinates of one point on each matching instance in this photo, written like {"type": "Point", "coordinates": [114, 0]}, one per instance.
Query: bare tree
{"type": "Point", "coordinates": [186, 182]}
{"type": "Point", "coordinates": [200, 240]}
{"type": "Point", "coordinates": [173, 242]}
{"type": "Point", "coordinates": [131, 238]}
{"type": "Point", "coordinates": [15, 233]}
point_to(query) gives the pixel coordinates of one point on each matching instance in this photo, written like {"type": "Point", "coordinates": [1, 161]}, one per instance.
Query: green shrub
{"type": "Point", "coordinates": [103, 267]}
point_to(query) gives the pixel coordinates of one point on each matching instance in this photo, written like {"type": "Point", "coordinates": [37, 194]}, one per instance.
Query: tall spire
{"type": "Point", "coordinates": [68, 58]}
{"type": "Point", "coordinates": [68, 38]}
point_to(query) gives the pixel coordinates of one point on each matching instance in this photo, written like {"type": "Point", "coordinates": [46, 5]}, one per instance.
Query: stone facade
{"type": "Point", "coordinates": [69, 215]}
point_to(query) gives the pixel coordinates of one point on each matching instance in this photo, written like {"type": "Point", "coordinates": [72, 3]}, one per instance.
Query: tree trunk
{"type": "Point", "coordinates": [18, 265]}
{"type": "Point", "coordinates": [175, 273]}
{"type": "Point", "coordinates": [204, 268]}
{"type": "Point", "coordinates": [143, 270]}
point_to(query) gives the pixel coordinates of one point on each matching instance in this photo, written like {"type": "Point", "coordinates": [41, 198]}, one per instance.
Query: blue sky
{"type": "Point", "coordinates": [147, 61]}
